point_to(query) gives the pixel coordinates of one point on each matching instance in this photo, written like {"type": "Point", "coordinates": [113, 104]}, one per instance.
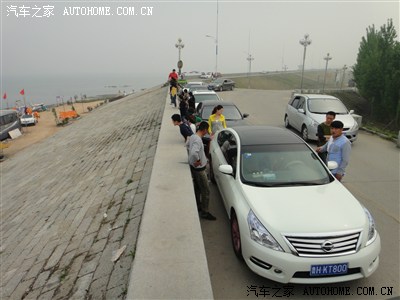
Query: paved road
{"type": "Point", "coordinates": [372, 176]}
{"type": "Point", "coordinates": [69, 202]}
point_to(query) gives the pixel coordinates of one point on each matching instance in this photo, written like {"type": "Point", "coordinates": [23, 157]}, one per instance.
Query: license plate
{"type": "Point", "coordinates": [333, 269]}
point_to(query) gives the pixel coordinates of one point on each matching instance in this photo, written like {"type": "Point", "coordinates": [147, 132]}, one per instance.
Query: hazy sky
{"type": "Point", "coordinates": [270, 30]}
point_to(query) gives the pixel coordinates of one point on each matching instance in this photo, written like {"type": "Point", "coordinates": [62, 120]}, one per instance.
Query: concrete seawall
{"type": "Point", "coordinates": [70, 202]}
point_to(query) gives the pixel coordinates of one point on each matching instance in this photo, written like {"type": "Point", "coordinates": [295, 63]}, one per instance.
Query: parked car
{"type": "Point", "coordinates": [291, 220]}
{"type": "Point", "coordinates": [203, 96]}
{"type": "Point", "coordinates": [232, 114]}
{"type": "Point", "coordinates": [39, 107]}
{"type": "Point", "coordinates": [28, 120]}
{"type": "Point", "coordinates": [199, 88]}
{"type": "Point", "coordinates": [305, 112]}
{"type": "Point", "coordinates": [192, 84]}
{"type": "Point", "coordinates": [205, 75]}
{"type": "Point", "coordinates": [8, 121]}
{"type": "Point", "coordinates": [222, 84]}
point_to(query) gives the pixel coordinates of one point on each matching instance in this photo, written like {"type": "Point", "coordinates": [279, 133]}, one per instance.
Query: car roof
{"type": "Point", "coordinates": [203, 92]}
{"type": "Point", "coordinates": [316, 96]}
{"type": "Point", "coordinates": [217, 102]}
{"type": "Point", "coordinates": [195, 82]}
{"type": "Point", "coordinates": [4, 112]}
{"type": "Point", "coordinates": [266, 135]}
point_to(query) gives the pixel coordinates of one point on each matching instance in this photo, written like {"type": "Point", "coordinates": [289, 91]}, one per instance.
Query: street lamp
{"type": "Point", "coordinates": [249, 58]}
{"type": "Point", "coordinates": [216, 44]}
{"type": "Point", "coordinates": [327, 58]}
{"type": "Point", "coordinates": [304, 42]}
{"type": "Point", "coordinates": [216, 52]}
{"type": "Point", "coordinates": [344, 74]}
{"type": "Point", "coordinates": [179, 45]}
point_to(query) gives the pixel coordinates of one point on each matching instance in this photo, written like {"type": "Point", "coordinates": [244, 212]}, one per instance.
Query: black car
{"type": "Point", "coordinates": [222, 84]}
{"type": "Point", "coordinates": [232, 114]}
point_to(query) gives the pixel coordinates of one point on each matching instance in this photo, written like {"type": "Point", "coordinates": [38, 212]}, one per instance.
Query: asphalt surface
{"type": "Point", "coordinates": [70, 202]}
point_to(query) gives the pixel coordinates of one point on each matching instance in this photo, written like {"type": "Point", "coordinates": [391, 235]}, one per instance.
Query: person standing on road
{"type": "Point", "coordinates": [338, 148]}
{"type": "Point", "coordinates": [198, 163]}
{"type": "Point", "coordinates": [217, 120]}
{"type": "Point", "coordinates": [324, 132]}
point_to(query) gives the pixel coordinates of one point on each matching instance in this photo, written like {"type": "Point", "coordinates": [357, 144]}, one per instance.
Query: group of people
{"type": "Point", "coordinates": [186, 99]}
{"type": "Point", "coordinates": [194, 131]}
{"type": "Point", "coordinates": [333, 145]}
{"type": "Point", "coordinates": [198, 160]}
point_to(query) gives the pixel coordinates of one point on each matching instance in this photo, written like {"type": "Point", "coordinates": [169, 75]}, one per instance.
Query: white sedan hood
{"type": "Point", "coordinates": [348, 120]}
{"type": "Point", "coordinates": [306, 209]}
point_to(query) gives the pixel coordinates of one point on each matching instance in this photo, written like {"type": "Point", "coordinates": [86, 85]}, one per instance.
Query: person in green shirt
{"type": "Point", "coordinates": [324, 132]}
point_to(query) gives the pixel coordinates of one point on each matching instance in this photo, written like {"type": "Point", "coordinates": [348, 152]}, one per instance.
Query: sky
{"type": "Point", "coordinates": [60, 43]}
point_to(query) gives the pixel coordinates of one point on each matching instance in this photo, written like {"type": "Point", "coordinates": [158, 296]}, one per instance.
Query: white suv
{"type": "Point", "coordinates": [305, 111]}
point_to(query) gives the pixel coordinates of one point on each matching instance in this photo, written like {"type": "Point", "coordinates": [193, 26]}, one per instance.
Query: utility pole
{"type": "Point", "coordinates": [327, 58]}
{"type": "Point", "coordinates": [304, 42]}
{"type": "Point", "coordinates": [179, 45]}
{"type": "Point", "coordinates": [344, 74]}
{"type": "Point", "coordinates": [249, 58]}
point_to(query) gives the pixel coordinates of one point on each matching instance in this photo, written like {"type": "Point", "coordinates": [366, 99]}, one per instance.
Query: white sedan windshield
{"type": "Point", "coordinates": [282, 165]}
{"type": "Point", "coordinates": [205, 97]}
{"type": "Point", "coordinates": [230, 112]}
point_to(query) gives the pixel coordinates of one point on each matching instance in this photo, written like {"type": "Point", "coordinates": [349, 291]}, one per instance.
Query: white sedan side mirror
{"type": "Point", "coordinates": [226, 169]}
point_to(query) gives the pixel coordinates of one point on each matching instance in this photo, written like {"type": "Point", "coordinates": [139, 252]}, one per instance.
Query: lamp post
{"type": "Point", "coordinates": [344, 74]}
{"type": "Point", "coordinates": [216, 52]}
{"type": "Point", "coordinates": [179, 45]}
{"type": "Point", "coordinates": [249, 58]}
{"type": "Point", "coordinates": [327, 58]}
{"type": "Point", "coordinates": [304, 42]}
{"type": "Point", "coordinates": [215, 38]}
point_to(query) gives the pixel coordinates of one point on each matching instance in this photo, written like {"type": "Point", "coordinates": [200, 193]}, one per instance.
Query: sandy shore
{"type": "Point", "coordinates": [44, 128]}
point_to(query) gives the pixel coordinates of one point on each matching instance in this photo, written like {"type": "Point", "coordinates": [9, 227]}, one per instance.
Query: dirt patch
{"type": "Point", "coordinates": [45, 128]}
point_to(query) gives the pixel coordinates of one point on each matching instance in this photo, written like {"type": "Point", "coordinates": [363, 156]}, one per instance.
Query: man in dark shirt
{"type": "Point", "coordinates": [324, 132]}
{"type": "Point", "coordinates": [184, 127]}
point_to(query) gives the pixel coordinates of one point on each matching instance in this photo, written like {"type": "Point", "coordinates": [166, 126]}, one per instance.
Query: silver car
{"type": "Point", "coordinates": [28, 120]}
{"type": "Point", "coordinates": [305, 111]}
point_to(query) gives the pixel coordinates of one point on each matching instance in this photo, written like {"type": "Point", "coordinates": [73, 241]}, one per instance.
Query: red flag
{"type": "Point", "coordinates": [5, 96]}
{"type": "Point", "coordinates": [22, 92]}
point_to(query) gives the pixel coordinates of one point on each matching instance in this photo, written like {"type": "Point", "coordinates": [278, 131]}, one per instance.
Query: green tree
{"type": "Point", "coordinates": [377, 73]}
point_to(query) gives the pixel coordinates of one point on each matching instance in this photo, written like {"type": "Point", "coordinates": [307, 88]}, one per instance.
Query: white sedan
{"type": "Point", "coordinates": [291, 220]}
{"type": "Point", "coordinates": [28, 120]}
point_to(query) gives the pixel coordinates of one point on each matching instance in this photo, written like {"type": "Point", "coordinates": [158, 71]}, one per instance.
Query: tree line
{"type": "Point", "coordinates": [377, 73]}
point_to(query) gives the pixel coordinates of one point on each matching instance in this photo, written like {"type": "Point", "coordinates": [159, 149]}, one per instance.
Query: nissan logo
{"type": "Point", "coordinates": [327, 246]}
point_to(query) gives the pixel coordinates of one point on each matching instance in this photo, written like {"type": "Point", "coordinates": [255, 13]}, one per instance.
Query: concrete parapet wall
{"type": "Point", "coordinates": [170, 260]}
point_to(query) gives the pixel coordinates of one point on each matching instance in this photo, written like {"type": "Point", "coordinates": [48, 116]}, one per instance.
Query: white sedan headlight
{"type": "Point", "coordinates": [260, 234]}
{"type": "Point", "coordinates": [371, 227]}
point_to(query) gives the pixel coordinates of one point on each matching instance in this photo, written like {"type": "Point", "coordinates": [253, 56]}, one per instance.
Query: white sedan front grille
{"type": "Point", "coordinates": [328, 245]}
